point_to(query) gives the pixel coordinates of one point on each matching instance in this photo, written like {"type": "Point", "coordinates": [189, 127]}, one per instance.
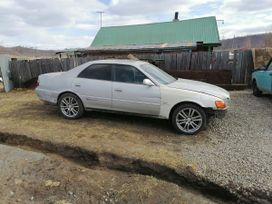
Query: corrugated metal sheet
{"type": "Point", "coordinates": [185, 31]}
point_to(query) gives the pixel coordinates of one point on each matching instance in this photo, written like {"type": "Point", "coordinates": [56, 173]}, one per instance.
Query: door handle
{"type": "Point", "coordinates": [270, 74]}
{"type": "Point", "coordinates": [117, 90]}
{"type": "Point", "coordinates": [77, 85]}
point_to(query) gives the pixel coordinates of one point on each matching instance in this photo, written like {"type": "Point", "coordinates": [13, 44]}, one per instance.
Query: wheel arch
{"type": "Point", "coordinates": [254, 80]}
{"type": "Point", "coordinates": [185, 102]}
{"type": "Point", "coordinates": [70, 92]}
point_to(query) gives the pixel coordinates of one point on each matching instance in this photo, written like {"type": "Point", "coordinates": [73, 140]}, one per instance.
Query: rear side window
{"type": "Point", "coordinates": [128, 74]}
{"type": "Point", "coordinates": [97, 71]}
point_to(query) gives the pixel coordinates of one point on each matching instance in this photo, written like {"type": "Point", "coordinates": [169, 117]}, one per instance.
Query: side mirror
{"type": "Point", "coordinates": [148, 82]}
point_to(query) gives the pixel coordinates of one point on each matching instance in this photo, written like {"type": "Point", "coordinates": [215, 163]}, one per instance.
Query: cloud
{"type": "Point", "coordinates": [51, 24]}
{"type": "Point", "coordinates": [242, 19]}
{"type": "Point", "coordinates": [59, 24]}
{"type": "Point", "coordinates": [157, 8]}
{"type": "Point", "coordinates": [247, 5]}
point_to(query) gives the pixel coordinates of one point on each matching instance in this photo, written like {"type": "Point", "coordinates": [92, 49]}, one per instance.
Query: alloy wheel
{"type": "Point", "coordinates": [189, 120]}
{"type": "Point", "coordinates": [69, 106]}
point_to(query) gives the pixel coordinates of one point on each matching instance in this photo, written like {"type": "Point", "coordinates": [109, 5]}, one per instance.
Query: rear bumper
{"type": "Point", "coordinates": [46, 96]}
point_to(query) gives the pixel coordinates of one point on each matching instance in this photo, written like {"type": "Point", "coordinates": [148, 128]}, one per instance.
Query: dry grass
{"type": "Point", "coordinates": [1, 87]}
{"type": "Point", "coordinates": [135, 137]}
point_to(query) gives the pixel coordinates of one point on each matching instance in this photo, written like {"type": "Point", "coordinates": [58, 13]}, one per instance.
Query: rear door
{"type": "Point", "coordinates": [94, 86]}
{"type": "Point", "coordinates": [131, 95]}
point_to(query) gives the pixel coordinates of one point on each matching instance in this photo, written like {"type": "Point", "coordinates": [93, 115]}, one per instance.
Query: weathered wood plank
{"type": "Point", "coordinates": [240, 66]}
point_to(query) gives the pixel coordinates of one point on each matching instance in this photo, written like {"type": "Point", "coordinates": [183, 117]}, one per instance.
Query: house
{"type": "Point", "coordinates": [191, 35]}
{"type": "Point", "coordinates": [200, 34]}
{"type": "Point", "coordinates": [180, 45]}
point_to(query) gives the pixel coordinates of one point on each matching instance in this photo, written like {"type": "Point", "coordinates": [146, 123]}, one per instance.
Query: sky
{"type": "Point", "coordinates": [60, 24]}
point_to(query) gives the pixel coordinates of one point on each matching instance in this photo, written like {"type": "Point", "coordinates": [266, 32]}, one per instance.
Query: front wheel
{"type": "Point", "coordinates": [188, 119]}
{"type": "Point", "coordinates": [70, 106]}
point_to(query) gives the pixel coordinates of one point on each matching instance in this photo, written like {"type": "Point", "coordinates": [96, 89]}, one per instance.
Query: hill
{"type": "Point", "coordinates": [27, 53]}
{"type": "Point", "coordinates": [245, 42]}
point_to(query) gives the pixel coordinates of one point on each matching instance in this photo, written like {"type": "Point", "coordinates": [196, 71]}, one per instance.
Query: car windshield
{"type": "Point", "coordinates": [156, 73]}
{"type": "Point", "coordinates": [269, 66]}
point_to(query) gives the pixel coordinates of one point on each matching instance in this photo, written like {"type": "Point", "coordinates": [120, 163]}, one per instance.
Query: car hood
{"type": "Point", "coordinates": [259, 69]}
{"type": "Point", "coordinates": [200, 87]}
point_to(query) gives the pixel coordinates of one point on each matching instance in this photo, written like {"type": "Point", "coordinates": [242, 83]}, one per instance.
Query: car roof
{"type": "Point", "coordinates": [119, 61]}
{"type": "Point", "coordinates": [76, 70]}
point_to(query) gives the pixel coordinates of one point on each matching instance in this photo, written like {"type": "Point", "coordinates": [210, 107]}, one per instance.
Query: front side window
{"type": "Point", "coordinates": [97, 71]}
{"type": "Point", "coordinates": [128, 74]}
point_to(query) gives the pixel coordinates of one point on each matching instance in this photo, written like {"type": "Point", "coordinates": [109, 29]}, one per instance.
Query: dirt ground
{"type": "Point", "coordinates": [150, 139]}
{"type": "Point", "coordinates": [152, 144]}
{"type": "Point", "coordinates": [32, 177]}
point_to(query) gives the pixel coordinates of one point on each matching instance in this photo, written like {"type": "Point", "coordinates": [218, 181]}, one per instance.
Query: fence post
{"type": "Point", "coordinates": [5, 72]}
{"type": "Point", "coordinates": [190, 60]}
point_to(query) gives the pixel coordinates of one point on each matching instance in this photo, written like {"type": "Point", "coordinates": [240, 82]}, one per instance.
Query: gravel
{"type": "Point", "coordinates": [238, 151]}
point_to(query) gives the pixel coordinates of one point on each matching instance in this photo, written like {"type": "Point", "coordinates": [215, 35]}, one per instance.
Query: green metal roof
{"type": "Point", "coordinates": [191, 30]}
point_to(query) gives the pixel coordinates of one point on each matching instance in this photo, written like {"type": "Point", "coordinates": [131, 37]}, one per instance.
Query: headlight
{"type": "Point", "coordinates": [220, 104]}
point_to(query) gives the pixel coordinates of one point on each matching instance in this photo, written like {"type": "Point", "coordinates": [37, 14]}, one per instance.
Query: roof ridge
{"type": "Point", "coordinates": [166, 22]}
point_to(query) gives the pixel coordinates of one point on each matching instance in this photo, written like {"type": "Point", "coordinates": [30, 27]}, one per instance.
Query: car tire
{"type": "Point", "coordinates": [256, 91]}
{"type": "Point", "coordinates": [189, 119]}
{"type": "Point", "coordinates": [70, 106]}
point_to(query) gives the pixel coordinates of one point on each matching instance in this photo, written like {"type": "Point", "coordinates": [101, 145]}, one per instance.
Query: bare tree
{"type": "Point", "coordinates": [267, 40]}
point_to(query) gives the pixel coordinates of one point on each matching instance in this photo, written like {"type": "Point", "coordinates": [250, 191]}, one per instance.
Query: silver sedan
{"type": "Point", "coordinates": [133, 86]}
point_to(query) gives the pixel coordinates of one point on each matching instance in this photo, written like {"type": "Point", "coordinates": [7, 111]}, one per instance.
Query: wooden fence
{"type": "Point", "coordinates": [239, 65]}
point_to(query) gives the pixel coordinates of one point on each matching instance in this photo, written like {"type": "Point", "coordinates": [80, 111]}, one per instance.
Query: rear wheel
{"type": "Point", "coordinates": [256, 91]}
{"type": "Point", "coordinates": [70, 106]}
{"type": "Point", "coordinates": [188, 119]}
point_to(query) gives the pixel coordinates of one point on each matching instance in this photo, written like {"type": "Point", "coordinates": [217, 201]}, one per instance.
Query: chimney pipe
{"type": "Point", "coordinates": [176, 16]}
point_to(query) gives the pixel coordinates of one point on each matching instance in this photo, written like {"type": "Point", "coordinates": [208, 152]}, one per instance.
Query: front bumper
{"type": "Point", "coordinates": [217, 113]}
{"type": "Point", "coordinates": [220, 113]}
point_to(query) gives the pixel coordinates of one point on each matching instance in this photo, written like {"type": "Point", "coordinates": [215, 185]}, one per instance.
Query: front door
{"type": "Point", "coordinates": [131, 95]}
{"type": "Point", "coordinates": [94, 86]}
{"type": "Point", "coordinates": [265, 80]}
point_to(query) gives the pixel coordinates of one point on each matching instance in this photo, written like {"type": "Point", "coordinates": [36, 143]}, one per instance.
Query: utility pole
{"type": "Point", "coordinates": [101, 17]}
{"type": "Point", "coordinates": [232, 46]}
{"type": "Point", "coordinates": [222, 21]}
